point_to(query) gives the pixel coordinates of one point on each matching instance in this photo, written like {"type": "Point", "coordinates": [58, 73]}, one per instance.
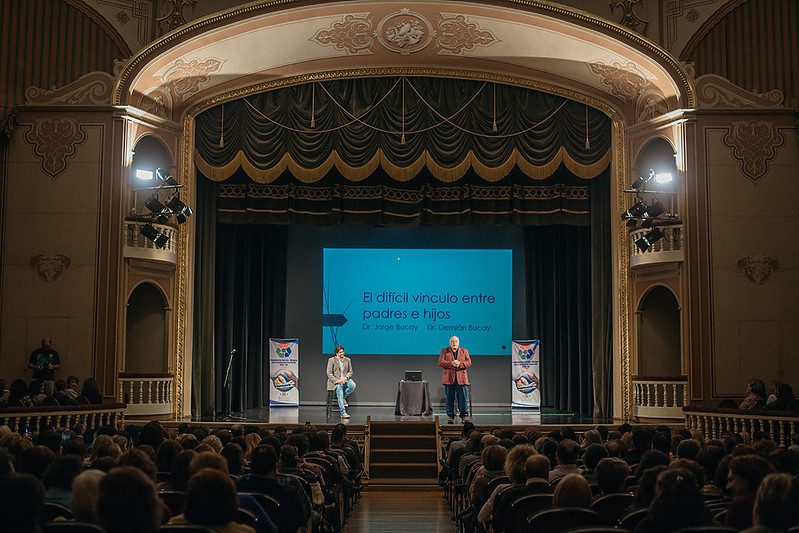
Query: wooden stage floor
{"type": "Point", "coordinates": [484, 416]}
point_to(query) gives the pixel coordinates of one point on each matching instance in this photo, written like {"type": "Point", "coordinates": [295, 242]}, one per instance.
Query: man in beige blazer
{"type": "Point", "coordinates": [339, 378]}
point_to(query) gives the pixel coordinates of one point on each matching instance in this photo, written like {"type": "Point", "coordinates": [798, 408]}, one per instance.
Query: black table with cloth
{"type": "Point", "coordinates": [413, 398]}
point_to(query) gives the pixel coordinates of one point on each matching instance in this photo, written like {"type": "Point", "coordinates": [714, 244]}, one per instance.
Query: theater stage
{"type": "Point", "coordinates": [482, 417]}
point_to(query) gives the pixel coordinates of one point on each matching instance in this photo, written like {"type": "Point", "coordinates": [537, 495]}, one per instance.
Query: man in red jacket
{"type": "Point", "coordinates": [454, 360]}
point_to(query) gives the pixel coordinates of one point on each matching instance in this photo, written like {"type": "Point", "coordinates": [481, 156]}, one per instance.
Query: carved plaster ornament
{"type": "Point", "coordinates": [353, 34]}
{"type": "Point", "coordinates": [630, 85]}
{"type": "Point", "coordinates": [714, 91]}
{"type": "Point", "coordinates": [754, 143]}
{"type": "Point", "coordinates": [48, 268]}
{"type": "Point", "coordinates": [54, 141]}
{"type": "Point", "coordinates": [179, 81]}
{"type": "Point", "coordinates": [633, 12]}
{"type": "Point", "coordinates": [93, 88]}
{"type": "Point", "coordinates": [405, 32]}
{"type": "Point", "coordinates": [758, 269]}
{"type": "Point", "coordinates": [456, 33]}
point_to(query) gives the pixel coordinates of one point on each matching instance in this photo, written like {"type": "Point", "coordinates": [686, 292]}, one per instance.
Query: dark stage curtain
{"type": "Point", "coordinates": [568, 280]}
{"type": "Point", "coordinates": [250, 307]}
{"type": "Point", "coordinates": [447, 126]}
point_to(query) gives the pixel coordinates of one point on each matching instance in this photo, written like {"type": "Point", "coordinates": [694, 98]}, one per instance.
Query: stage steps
{"type": "Point", "coordinates": [402, 454]}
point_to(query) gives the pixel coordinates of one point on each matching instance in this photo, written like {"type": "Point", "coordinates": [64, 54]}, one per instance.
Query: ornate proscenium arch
{"type": "Point", "coordinates": [272, 44]}
{"type": "Point", "coordinates": [520, 38]}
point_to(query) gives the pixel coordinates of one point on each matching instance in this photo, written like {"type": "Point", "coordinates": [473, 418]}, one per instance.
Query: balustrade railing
{"type": "Point", "coordinates": [659, 396]}
{"type": "Point", "coordinates": [65, 417]}
{"type": "Point", "coordinates": [780, 426]}
{"type": "Point", "coordinates": [668, 249]}
{"type": "Point", "coordinates": [146, 394]}
{"type": "Point", "coordinates": [138, 246]}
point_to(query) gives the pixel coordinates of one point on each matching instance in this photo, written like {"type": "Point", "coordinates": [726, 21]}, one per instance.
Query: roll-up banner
{"type": "Point", "coordinates": [525, 372]}
{"type": "Point", "coordinates": [284, 367]}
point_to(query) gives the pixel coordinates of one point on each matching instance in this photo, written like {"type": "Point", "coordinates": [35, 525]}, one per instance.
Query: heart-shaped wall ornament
{"type": "Point", "coordinates": [49, 267]}
{"type": "Point", "coordinates": [758, 269]}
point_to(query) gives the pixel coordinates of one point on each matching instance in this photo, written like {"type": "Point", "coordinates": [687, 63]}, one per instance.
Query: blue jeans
{"type": "Point", "coordinates": [342, 391]}
{"type": "Point", "coordinates": [450, 391]}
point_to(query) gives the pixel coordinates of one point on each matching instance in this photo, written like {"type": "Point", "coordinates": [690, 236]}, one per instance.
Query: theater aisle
{"type": "Point", "coordinates": [392, 511]}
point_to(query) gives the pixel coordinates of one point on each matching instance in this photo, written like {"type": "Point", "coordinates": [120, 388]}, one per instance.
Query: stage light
{"type": "Point", "coordinates": [645, 243]}
{"type": "Point", "coordinates": [149, 232]}
{"type": "Point", "coordinates": [168, 180]}
{"type": "Point", "coordinates": [142, 174]}
{"type": "Point", "coordinates": [663, 178]}
{"type": "Point", "coordinates": [154, 205]}
{"type": "Point", "coordinates": [636, 211]}
{"type": "Point", "coordinates": [656, 209]}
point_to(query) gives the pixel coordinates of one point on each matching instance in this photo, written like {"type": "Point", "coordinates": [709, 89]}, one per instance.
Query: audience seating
{"type": "Point", "coordinates": [707, 529]}
{"type": "Point", "coordinates": [563, 519]}
{"type": "Point", "coordinates": [187, 528]}
{"type": "Point", "coordinates": [174, 499]}
{"type": "Point", "coordinates": [613, 506]}
{"type": "Point", "coordinates": [273, 509]}
{"type": "Point", "coordinates": [72, 527]}
{"type": "Point", "coordinates": [631, 519]}
{"type": "Point", "coordinates": [51, 511]}
{"type": "Point", "coordinates": [525, 508]}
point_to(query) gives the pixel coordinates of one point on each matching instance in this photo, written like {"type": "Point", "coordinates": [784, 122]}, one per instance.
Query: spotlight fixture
{"type": "Point", "coordinates": [663, 179]}
{"type": "Point", "coordinates": [143, 174]}
{"type": "Point", "coordinates": [645, 243]}
{"type": "Point", "coordinates": [159, 239]}
{"type": "Point", "coordinates": [168, 180]}
{"type": "Point", "coordinates": [154, 205]}
{"type": "Point", "coordinates": [181, 210]}
{"type": "Point", "coordinates": [656, 209]}
{"type": "Point", "coordinates": [635, 211]}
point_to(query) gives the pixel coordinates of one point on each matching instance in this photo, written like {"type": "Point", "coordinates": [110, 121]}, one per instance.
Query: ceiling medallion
{"type": "Point", "coordinates": [405, 32]}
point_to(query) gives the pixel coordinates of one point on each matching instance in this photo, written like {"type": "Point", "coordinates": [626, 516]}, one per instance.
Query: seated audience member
{"type": "Point", "coordinates": [661, 442]}
{"type": "Point", "coordinates": [744, 477]}
{"type": "Point", "coordinates": [58, 477]}
{"type": "Point", "coordinates": [21, 500]}
{"type": "Point", "coordinates": [151, 434]}
{"type": "Point", "coordinates": [688, 449]}
{"type": "Point", "coordinates": [493, 458]}
{"type": "Point", "coordinates": [37, 392]}
{"type": "Point", "coordinates": [289, 464]}
{"type": "Point", "coordinates": [776, 504]}
{"type": "Point", "coordinates": [165, 455]}
{"type": "Point", "coordinates": [128, 502]}
{"type": "Point", "coordinates": [85, 494]}
{"type": "Point", "coordinates": [300, 442]}
{"type": "Point", "coordinates": [211, 501]}
{"type": "Point", "coordinates": [678, 504]}
{"type": "Point", "coordinates": [645, 492]}
{"type": "Point", "coordinates": [263, 478]}
{"type": "Point", "coordinates": [214, 442]}
{"type": "Point", "coordinates": [234, 456]}
{"type": "Point", "coordinates": [72, 388]}
{"type": "Point", "coordinates": [18, 394]}
{"type": "Point", "coordinates": [139, 459]}
{"type": "Point", "coordinates": [179, 479]}
{"type": "Point", "coordinates": [6, 462]}
{"type": "Point", "coordinates": [454, 445]}
{"type": "Point", "coordinates": [781, 398]}
{"type": "Point", "coordinates": [611, 472]}
{"type": "Point", "coordinates": [709, 459]}
{"type": "Point", "coordinates": [471, 454]}
{"type": "Point", "coordinates": [208, 460]}
{"type": "Point", "coordinates": [35, 460]}
{"type": "Point", "coordinates": [641, 443]}
{"type": "Point", "coordinates": [593, 454]}
{"type": "Point", "coordinates": [251, 441]}
{"type": "Point", "coordinates": [755, 395]}
{"type": "Point", "coordinates": [536, 472]}
{"type": "Point", "coordinates": [650, 459]}
{"type": "Point", "coordinates": [91, 392]}
{"type": "Point", "coordinates": [5, 394]}
{"type": "Point", "coordinates": [60, 393]}
{"type": "Point", "coordinates": [566, 457]}
{"type": "Point", "coordinates": [590, 437]}
{"type": "Point", "coordinates": [514, 469]}
{"type": "Point", "coordinates": [572, 491]}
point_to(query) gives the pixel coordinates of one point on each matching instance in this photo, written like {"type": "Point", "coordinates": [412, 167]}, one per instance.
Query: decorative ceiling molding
{"type": "Point", "coordinates": [676, 31]}
{"type": "Point", "coordinates": [133, 19]}
{"type": "Point", "coordinates": [717, 11]}
{"type": "Point", "coordinates": [171, 14]}
{"type": "Point", "coordinates": [758, 268]}
{"type": "Point", "coordinates": [714, 91]}
{"type": "Point", "coordinates": [754, 144]}
{"type": "Point", "coordinates": [633, 13]}
{"type": "Point", "coordinates": [353, 34]}
{"type": "Point", "coordinates": [405, 32]}
{"type": "Point", "coordinates": [49, 268]}
{"type": "Point", "coordinates": [54, 141]}
{"type": "Point", "coordinates": [627, 83]}
{"type": "Point", "coordinates": [93, 88]}
{"type": "Point", "coordinates": [178, 81]}
{"type": "Point", "coordinates": [456, 33]}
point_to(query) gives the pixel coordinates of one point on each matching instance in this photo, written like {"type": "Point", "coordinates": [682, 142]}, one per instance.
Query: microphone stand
{"type": "Point", "coordinates": [227, 385]}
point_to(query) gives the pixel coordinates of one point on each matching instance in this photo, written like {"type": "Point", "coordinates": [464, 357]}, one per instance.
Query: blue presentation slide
{"type": "Point", "coordinates": [411, 301]}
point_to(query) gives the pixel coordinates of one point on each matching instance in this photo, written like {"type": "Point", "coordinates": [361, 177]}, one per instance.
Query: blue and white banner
{"type": "Point", "coordinates": [525, 372]}
{"type": "Point", "coordinates": [284, 367]}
